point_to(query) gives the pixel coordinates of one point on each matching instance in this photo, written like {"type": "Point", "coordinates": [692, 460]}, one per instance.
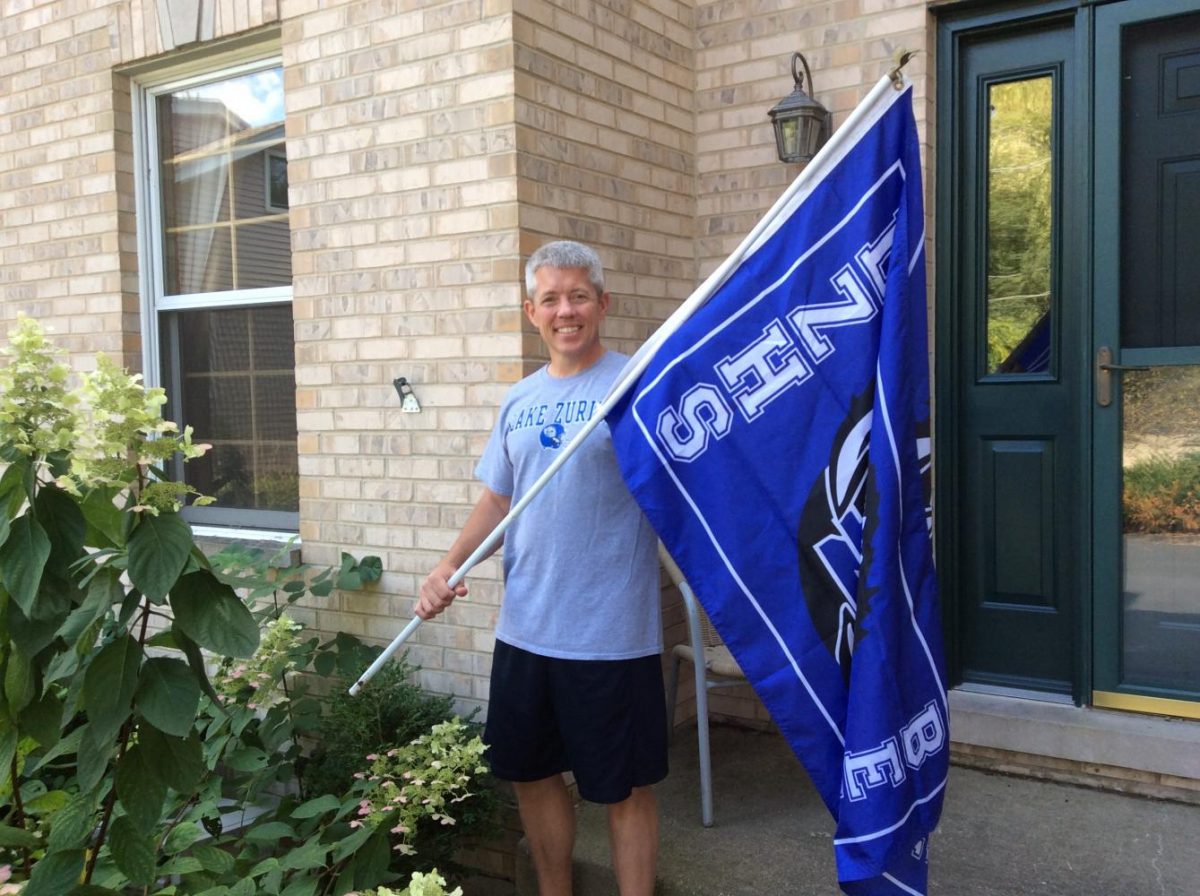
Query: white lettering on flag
{"type": "Point", "coordinates": [702, 414]}
{"type": "Point", "coordinates": [763, 369]}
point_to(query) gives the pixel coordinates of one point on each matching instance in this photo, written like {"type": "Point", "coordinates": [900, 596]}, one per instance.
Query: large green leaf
{"type": "Point", "coordinates": [62, 521]}
{"type": "Point", "coordinates": [47, 803]}
{"type": "Point", "coordinates": [182, 836]}
{"type": "Point", "coordinates": [371, 862]}
{"type": "Point", "coordinates": [42, 719]}
{"type": "Point", "coordinates": [109, 684]}
{"type": "Point", "coordinates": [61, 747]}
{"type": "Point", "coordinates": [344, 883]}
{"type": "Point", "coordinates": [129, 606]}
{"type": "Point", "coordinates": [158, 549]}
{"type": "Point", "coordinates": [306, 857]}
{"type": "Point", "coordinates": [168, 695]}
{"type": "Point", "coordinates": [177, 762]}
{"type": "Point", "coordinates": [19, 681]}
{"type": "Point", "coordinates": [164, 640]}
{"type": "Point", "coordinates": [65, 664]}
{"type": "Point", "coordinates": [31, 635]}
{"type": "Point", "coordinates": [58, 463]}
{"type": "Point", "coordinates": [71, 825]}
{"type": "Point", "coordinates": [352, 575]}
{"type": "Point", "coordinates": [349, 845]}
{"type": "Point", "coordinates": [14, 477]}
{"type": "Point", "coordinates": [55, 873]}
{"type": "Point", "coordinates": [247, 759]}
{"type": "Point", "coordinates": [195, 659]}
{"type": "Point", "coordinates": [181, 865]}
{"type": "Point", "coordinates": [303, 886]}
{"type": "Point", "coordinates": [57, 594]}
{"type": "Point", "coordinates": [8, 749]}
{"type": "Point", "coordinates": [15, 484]}
{"type": "Point", "coordinates": [132, 850]}
{"type": "Point", "coordinates": [263, 866]}
{"type": "Point", "coordinates": [104, 590]}
{"type": "Point", "coordinates": [318, 806]}
{"type": "Point", "coordinates": [22, 558]}
{"type": "Point", "coordinates": [218, 861]}
{"type": "Point", "coordinates": [95, 749]}
{"type": "Point", "coordinates": [210, 613]}
{"type": "Point", "coordinates": [271, 830]}
{"type": "Point", "coordinates": [18, 837]}
{"type": "Point", "coordinates": [140, 792]}
{"type": "Point", "coordinates": [104, 518]}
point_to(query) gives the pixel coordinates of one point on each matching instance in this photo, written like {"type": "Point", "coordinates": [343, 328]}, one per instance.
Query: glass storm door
{"type": "Point", "coordinates": [1147, 357]}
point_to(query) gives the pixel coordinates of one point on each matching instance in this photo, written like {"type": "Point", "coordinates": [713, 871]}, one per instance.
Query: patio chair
{"type": "Point", "coordinates": [716, 669]}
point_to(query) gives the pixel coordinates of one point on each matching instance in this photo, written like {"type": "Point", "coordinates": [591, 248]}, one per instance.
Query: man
{"type": "Point", "coordinates": [576, 677]}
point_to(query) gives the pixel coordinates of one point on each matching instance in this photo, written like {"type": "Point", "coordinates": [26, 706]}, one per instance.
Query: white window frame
{"type": "Point", "coordinates": [145, 88]}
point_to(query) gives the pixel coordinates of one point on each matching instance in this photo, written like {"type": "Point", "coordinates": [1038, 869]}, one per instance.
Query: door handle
{"type": "Point", "coordinates": [1104, 374]}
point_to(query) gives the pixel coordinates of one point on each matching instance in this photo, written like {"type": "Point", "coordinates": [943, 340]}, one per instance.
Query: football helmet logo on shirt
{"type": "Point", "coordinates": [552, 436]}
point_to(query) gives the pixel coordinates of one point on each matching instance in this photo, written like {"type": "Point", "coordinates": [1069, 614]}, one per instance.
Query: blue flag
{"type": "Point", "coordinates": [779, 443]}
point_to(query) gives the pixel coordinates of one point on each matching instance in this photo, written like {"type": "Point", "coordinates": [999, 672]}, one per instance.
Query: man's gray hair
{"type": "Point", "coordinates": [565, 254]}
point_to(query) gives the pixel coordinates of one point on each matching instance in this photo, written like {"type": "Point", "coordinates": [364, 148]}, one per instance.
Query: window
{"type": "Point", "coordinates": [1020, 224]}
{"type": "Point", "coordinates": [217, 284]}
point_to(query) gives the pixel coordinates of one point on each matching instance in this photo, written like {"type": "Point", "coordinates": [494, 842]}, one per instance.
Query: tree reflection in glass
{"type": "Point", "coordinates": [1020, 220]}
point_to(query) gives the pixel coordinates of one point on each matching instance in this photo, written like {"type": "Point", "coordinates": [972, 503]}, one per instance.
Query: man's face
{"type": "Point", "coordinates": [567, 311]}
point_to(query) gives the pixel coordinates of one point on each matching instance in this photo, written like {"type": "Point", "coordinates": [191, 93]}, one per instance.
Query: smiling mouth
{"type": "Point", "coordinates": [567, 331]}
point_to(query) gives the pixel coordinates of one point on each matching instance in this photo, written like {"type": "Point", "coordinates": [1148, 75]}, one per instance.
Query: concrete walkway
{"type": "Point", "coordinates": [999, 836]}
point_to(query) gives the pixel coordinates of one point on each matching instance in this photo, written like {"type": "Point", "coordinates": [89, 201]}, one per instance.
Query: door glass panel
{"type": "Point", "coordinates": [1020, 219]}
{"type": "Point", "coordinates": [1160, 624]}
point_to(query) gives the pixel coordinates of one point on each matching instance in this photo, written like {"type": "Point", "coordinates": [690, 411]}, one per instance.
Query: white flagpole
{"type": "Point", "coordinates": [816, 170]}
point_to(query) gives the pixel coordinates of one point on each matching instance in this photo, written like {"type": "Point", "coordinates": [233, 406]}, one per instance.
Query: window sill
{"type": "Point", "coordinates": [213, 538]}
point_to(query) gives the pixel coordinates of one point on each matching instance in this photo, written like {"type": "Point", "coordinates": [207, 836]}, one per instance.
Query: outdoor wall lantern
{"type": "Point", "coordinates": [802, 125]}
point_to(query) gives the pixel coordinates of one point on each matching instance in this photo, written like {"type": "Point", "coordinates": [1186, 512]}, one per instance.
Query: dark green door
{"type": "Point", "coordinates": [1068, 349]}
{"type": "Point", "coordinates": [1011, 358]}
{"type": "Point", "coordinates": [1147, 320]}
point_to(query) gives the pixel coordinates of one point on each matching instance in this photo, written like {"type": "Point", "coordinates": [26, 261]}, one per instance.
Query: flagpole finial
{"type": "Point", "coordinates": [902, 57]}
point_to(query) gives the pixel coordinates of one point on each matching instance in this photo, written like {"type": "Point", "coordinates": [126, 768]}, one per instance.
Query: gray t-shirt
{"type": "Point", "coordinates": [580, 563]}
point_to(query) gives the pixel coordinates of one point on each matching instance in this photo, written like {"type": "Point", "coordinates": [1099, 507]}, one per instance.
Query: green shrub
{"type": "Point", "coordinates": [390, 713]}
{"type": "Point", "coordinates": [120, 762]}
{"type": "Point", "coordinates": [1162, 495]}
{"type": "Point", "coordinates": [392, 710]}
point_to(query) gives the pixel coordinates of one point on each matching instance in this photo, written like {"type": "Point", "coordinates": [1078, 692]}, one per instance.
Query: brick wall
{"type": "Point", "coordinates": [605, 111]}
{"type": "Point", "coordinates": [402, 157]}
{"type": "Point", "coordinates": [58, 198]}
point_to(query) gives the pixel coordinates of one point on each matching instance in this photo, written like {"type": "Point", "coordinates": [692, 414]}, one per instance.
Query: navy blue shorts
{"type": "Point", "coordinates": [603, 720]}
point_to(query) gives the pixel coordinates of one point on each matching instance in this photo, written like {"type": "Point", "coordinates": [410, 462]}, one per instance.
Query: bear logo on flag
{"type": "Point", "coordinates": [830, 535]}
{"type": "Point", "coordinates": [829, 539]}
